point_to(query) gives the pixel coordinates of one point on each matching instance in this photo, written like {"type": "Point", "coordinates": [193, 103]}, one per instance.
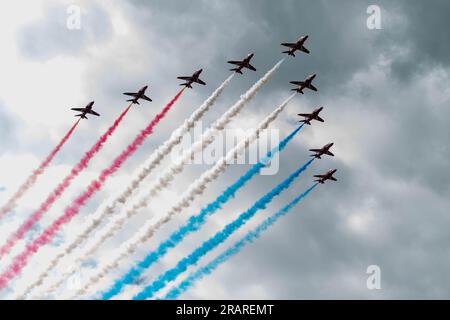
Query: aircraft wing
{"type": "Point", "coordinates": [133, 94]}
{"type": "Point", "coordinates": [333, 178]}
{"type": "Point", "coordinates": [304, 114]}
{"type": "Point", "coordinates": [146, 98]}
{"type": "Point", "coordinates": [329, 153]}
{"type": "Point", "coordinates": [315, 150]}
{"type": "Point", "coordinates": [298, 83]}
{"type": "Point", "coordinates": [312, 87]}
{"type": "Point", "coordinates": [93, 112]}
{"type": "Point", "coordinates": [321, 176]}
{"type": "Point", "coordinates": [304, 50]}
{"type": "Point", "coordinates": [185, 78]}
{"type": "Point", "coordinates": [290, 45]}
{"type": "Point", "coordinates": [320, 119]}
{"type": "Point", "coordinates": [78, 109]}
{"type": "Point", "coordinates": [238, 63]}
{"type": "Point", "coordinates": [200, 81]}
{"type": "Point", "coordinates": [251, 67]}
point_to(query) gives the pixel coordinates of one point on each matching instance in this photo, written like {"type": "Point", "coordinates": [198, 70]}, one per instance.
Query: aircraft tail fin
{"type": "Point", "coordinates": [134, 101]}
{"type": "Point", "coordinates": [289, 53]}
{"type": "Point", "coordinates": [298, 89]}
{"type": "Point", "coordinates": [237, 70]}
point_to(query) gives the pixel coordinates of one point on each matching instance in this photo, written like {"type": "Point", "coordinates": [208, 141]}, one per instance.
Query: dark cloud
{"type": "Point", "coordinates": [217, 31]}
{"type": "Point", "coordinates": [422, 32]}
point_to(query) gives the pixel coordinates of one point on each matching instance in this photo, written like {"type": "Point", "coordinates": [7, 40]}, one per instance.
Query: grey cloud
{"type": "Point", "coordinates": [423, 33]}
{"type": "Point", "coordinates": [49, 37]}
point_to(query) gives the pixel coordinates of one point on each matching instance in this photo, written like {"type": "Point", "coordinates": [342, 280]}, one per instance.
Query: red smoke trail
{"type": "Point", "coordinates": [58, 191]}
{"type": "Point", "coordinates": [21, 260]}
{"type": "Point", "coordinates": [36, 173]}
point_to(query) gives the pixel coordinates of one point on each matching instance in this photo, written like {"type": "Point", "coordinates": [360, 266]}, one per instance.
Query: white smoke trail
{"type": "Point", "coordinates": [164, 179]}
{"type": "Point", "coordinates": [195, 189]}
{"type": "Point", "coordinates": [108, 208]}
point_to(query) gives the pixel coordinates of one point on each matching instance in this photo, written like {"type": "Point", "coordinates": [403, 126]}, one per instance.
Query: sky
{"type": "Point", "coordinates": [385, 94]}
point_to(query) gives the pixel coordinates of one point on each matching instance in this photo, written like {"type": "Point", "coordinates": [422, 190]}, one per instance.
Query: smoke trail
{"type": "Point", "coordinates": [163, 180]}
{"type": "Point", "coordinates": [110, 206]}
{"type": "Point", "coordinates": [195, 189]}
{"type": "Point", "coordinates": [235, 249]}
{"type": "Point", "coordinates": [21, 260]}
{"type": "Point", "coordinates": [195, 222]}
{"type": "Point", "coordinates": [218, 238]}
{"type": "Point", "coordinates": [58, 191]}
{"type": "Point", "coordinates": [156, 158]}
{"type": "Point", "coordinates": [31, 180]}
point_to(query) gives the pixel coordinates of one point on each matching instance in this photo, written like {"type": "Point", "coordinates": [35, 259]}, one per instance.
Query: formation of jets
{"type": "Point", "coordinates": [325, 150]}
{"type": "Point", "coordinates": [240, 65]}
{"type": "Point", "coordinates": [86, 110]}
{"type": "Point", "coordinates": [308, 117]}
{"type": "Point", "coordinates": [318, 153]}
{"type": "Point", "coordinates": [299, 45]}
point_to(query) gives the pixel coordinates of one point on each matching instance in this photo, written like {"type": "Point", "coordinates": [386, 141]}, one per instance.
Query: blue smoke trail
{"type": "Point", "coordinates": [218, 238]}
{"type": "Point", "coordinates": [235, 249]}
{"type": "Point", "coordinates": [195, 222]}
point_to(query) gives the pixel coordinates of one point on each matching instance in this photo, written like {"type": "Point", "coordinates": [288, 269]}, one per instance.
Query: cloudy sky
{"type": "Point", "coordinates": [385, 94]}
